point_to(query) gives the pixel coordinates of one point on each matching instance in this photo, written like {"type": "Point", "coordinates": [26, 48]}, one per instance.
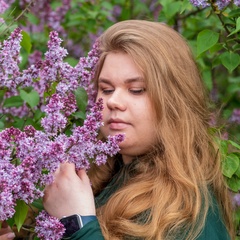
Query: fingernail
{"type": "Point", "coordinates": [11, 235]}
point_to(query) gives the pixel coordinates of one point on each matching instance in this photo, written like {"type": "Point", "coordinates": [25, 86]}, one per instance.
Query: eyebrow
{"type": "Point", "coordinates": [129, 80]}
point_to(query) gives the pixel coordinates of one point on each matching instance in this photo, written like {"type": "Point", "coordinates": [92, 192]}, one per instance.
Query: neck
{"type": "Point", "coordinates": [127, 159]}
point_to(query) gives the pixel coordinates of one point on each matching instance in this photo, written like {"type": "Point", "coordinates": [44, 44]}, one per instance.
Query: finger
{"type": "Point", "coordinates": [67, 167]}
{"type": "Point", "coordinates": [64, 168]}
{"type": "Point", "coordinates": [4, 224]}
{"type": "Point", "coordinates": [4, 228]}
{"type": "Point", "coordinates": [83, 175]}
{"type": "Point", "coordinates": [7, 236]}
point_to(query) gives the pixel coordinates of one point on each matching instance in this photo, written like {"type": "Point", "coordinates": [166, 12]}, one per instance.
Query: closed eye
{"type": "Point", "coordinates": [107, 91]}
{"type": "Point", "coordinates": [137, 91]}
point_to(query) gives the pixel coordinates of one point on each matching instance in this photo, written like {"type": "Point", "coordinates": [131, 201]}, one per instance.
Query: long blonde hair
{"type": "Point", "coordinates": [174, 181]}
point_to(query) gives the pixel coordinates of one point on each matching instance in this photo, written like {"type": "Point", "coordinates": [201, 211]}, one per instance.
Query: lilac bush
{"type": "Point", "coordinates": [29, 157]}
{"type": "Point", "coordinates": [46, 86]}
{"type": "Point", "coordinates": [44, 74]}
{"type": "Point", "coordinates": [220, 4]}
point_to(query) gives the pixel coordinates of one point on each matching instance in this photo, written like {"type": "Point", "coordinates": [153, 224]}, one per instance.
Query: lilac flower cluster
{"type": "Point", "coordinates": [16, 181]}
{"type": "Point", "coordinates": [237, 2]}
{"type": "Point", "coordinates": [48, 17]}
{"type": "Point", "coordinates": [9, 59]}
{"type": "Point", "coordinates": [26, 156]}
{"type": "Point", "coordinates": [29, 158]}
{"type": "Point", "coordinates": [47, 72]}
{"type": "Point", "coordinates": [220, 4]}
{"type": "Point", "coordinates": [3, 7]}
{"type": "Point", "coordinates": [236, 199]}
{"type": "Point", "coordinates": [48, 227]}
{"type": "Point", "coordinates": [235, 118]}
{"type": "Point", "coordinates": [200, 3]}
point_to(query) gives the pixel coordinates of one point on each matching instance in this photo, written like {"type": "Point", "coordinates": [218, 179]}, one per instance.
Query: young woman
{"type": "Point", "coordinates": [166, 182]}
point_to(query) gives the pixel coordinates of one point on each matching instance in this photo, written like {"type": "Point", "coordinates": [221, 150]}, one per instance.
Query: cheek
{"type": "Point", "coordinates": [104, 112]}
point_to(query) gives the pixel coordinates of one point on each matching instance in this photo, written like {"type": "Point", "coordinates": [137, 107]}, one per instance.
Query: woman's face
{"type": "Point", "coordinates": [127, 108]}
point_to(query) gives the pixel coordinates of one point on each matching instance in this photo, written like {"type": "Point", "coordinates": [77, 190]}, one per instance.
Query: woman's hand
{"type": "Point", "coordinates": [69, 194]}
{"type": "Point", "coordinates": [5, 232]}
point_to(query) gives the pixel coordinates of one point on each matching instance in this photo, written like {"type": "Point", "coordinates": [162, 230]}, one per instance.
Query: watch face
{"type": "Point", "coordinates": [72, 224]}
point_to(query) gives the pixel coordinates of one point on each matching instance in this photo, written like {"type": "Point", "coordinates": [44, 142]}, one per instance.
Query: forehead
{"type": "Point", "coordinates": [119, 65]}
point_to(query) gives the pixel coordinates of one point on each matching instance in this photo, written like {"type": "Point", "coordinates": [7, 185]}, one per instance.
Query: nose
{"type": "Point", "coordinates": [116, 101]}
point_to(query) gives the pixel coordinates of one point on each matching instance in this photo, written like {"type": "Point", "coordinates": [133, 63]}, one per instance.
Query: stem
{"type": "Point", "coordinates": [19, 16]}
{"type": "Point", "coordinates": [181, 17]}
{"type": "Point", "coordinates": [28, 228]}
{"type": "Point", "coordinates": [223, 24]}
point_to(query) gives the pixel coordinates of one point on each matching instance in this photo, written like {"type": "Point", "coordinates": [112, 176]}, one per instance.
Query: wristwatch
{"type": "Point", "coordinates": [73, 223]}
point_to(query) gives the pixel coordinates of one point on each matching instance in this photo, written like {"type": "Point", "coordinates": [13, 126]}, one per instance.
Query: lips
{"type": "Point", "coordinates": [117, 124]}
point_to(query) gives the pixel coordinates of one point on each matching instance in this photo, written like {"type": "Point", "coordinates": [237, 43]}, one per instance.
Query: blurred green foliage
{"type": "Point", "coordinates": [213, 35]}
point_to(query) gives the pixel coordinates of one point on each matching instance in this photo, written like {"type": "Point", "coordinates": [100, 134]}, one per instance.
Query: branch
{"type": "Point", "coordinates": [181, 17]}
{"type": "Point", "coordinates": [19, 16]}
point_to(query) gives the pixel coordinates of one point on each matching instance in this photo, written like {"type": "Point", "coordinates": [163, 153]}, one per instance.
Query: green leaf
{"type": "Point", "coordinates": [230, 165]}
{"type": "Point", "coordinates": [10, 222]}
{"type": "Point", "coordinates": [1, 125]}
{"type": "Point", "coordinates": [205, 40]}
{"type": "Point", "coordinates": [38, 115]}
{"type": "Point", "coordinates": [19, 123]}
{"type": "Point", "coordinates": [32, 98]}
{"type": "Point", "coordinates": [185, 6]}
{"type": "Point", "coordinates": [14, 101]}
{"type": "Point", "coordinates": [26, 42]}
{"type": "Point", "coordinates": [72, 61]}
{"type": "Point", "coordinates": [234, 183]}
{"type": "Point", "coordinates": [237, 173]}
{"type": "Point", "coordinates": [37, 203]}
{"type": "Point", "coordinates": [79, 115]}
{"type": "Point", "coordinates": [81, 98]}
{"type": "Point", "coordinates": [223, 147]}
{"type": "Point", "coordinates": [32, 18]}
{"type": "Point", "coordinates": [234, 13]}
{"type": "Point", "coordinates": [20, 214]}
{"type": "Point", "coordinates": [237, 27]}
{"type": "Point", "coordinates": [230, 60]}
{"type": "Point", "coordinates": [107, 5]}
{"type": "Point", "coordinates": [234, 144]}
{"type": "Point", "coordinates": [207, 77]}
{"type": "Point", "coordinates": [172, 8]}
{"type": "Point", "coordinates": [232, 89]}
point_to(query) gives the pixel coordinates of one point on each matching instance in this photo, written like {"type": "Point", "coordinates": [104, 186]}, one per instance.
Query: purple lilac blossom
{"type": "Point", "coordinates": [9, 59]}
{"type": "Point", "coordinates": [235, 116]}
{"type": "Point", "coordinates": [115, 13]}
{"type": "Point", "coordinates": [35, 57]}
{"type": "Point", "coordinates": [221, 4]}
{"type": "Point", "coordinates": [47, 16]}
{"type": "Point", "coordinates": [51, 69]}
{"type": "Point", "coordinates": [200, 3]}
{"type": "Point", "coordinates": [236, 199]}
{"type": "Point", "coordinates": [3, 6]}
{"type": "Point", "coordinates": [29, 158]}
{"type": "Point", "coordinates": [237, 2]}
{"type": "Point", "coordinates": [7, 202]}
{"type": "Point", "coordinates": [48, 227]}
{"type": "Point", "coordinates": [34, 151]}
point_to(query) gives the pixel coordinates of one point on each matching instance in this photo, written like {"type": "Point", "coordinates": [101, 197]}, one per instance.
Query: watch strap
{"type": "Point", "coordinates": [73, 223]}
{"type": "Point", "coordinates": [87, 219]}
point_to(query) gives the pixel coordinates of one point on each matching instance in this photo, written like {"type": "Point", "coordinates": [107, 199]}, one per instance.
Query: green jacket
{"type": "Point", "coordinates": [214, 228]}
